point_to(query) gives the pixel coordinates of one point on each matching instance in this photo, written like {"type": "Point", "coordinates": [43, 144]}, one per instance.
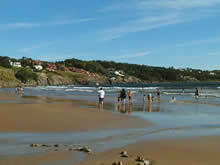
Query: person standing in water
{"type": "Point", "coordinates": [130, 95]}
{"type": "Point", "coordinates": [123, 95]}
{"type": "Point", "coordinates": [197, 93]}
{"type": "Point", "coordinates": [19, 91]}
{"type": "Point", "coordinates": [144, 98]}
{"type": "Point", "coordinates": [101, 95]}
{"type": "Point", "coordinates": [149, 97]}
{"type": "Point", "coordinates": [158, 94]}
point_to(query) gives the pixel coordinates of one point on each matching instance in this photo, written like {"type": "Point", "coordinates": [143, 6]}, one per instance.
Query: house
{"type": "Point", "coordinates": [15, 64]}
{"type": "Point", "coordinates": [212, 73]}
{"type": "Point", "coordinates": [112, 78]}
{"type": "Point", "coordinates": [51, 67]}
{"type": "Point", "coordinates": [38, 67]}
{"type": "Point", "coordinates": [118, 73]}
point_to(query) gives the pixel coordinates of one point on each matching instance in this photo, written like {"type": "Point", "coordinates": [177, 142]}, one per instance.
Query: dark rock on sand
{"type": "Point", "coordinates": [35, 145]}
{"type": "Point", "coordinates": [124, 154]}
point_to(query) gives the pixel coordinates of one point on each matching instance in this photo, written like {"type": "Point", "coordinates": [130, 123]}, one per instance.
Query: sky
{"type": "Point", "coordinates": [167, 33]}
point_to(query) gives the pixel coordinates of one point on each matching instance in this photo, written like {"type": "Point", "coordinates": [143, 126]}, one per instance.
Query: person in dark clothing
{"type": "Point", "coordinates": [123, 95]}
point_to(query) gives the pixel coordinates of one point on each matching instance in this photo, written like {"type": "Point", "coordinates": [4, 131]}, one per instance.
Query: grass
{"type": "Point", "coordinates": [7, 74]}
{"type": "Point", "coordinates": [72, 75]}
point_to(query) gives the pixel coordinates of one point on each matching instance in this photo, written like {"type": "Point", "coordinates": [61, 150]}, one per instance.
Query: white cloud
{"type": "Point", "coordinates": [18, 25]}
{"type": "Point", "coordinates": [118, 32]}
{"type": "Point", "coordinates": [214, 53]}
{"type": "Point", "coordinates": [198, 42]}
{"type": "Point", "coordinates": [181, 4]}
{"type": "Point", "coordinates": [144, 15]}
{"type": "Point", "coordinates": [36, 46]}
{"type": "Point", "coordinates": [138, 54]}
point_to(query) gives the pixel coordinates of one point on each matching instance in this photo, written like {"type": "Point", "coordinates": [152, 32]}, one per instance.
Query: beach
{"type": "Point", "coordinates": [61, 117]}
{"type": "Point", "coordinates": [192, 151]}
{"type": "Point", "coordinates": [182, 132]}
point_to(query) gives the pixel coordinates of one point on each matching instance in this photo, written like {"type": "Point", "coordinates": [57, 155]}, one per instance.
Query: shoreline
{"type": "Point", "coordinates": [117, 84]}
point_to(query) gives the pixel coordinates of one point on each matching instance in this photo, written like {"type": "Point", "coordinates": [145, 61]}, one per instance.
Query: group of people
{"type": "Point", "coordinates": [123, 95]}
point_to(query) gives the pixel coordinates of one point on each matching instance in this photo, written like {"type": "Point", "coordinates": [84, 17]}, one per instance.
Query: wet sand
{"type": "Point", "coordinates": [194, 151]}
{"type": "Point", "coordinates": [47, 158]}
{"type": "Point", "coordinates": [61, 118]}
{"type": "Point", "coordinates": [71, 117]}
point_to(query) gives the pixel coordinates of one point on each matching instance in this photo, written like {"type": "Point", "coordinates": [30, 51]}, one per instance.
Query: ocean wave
{"type": "Point", "coordinates": [47, 88]}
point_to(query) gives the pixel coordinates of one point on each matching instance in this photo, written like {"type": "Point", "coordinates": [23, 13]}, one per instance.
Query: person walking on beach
{"type": "Point", "coordinates": [101, 95]}
{"type": "Point", "coordinates": [130, 95]}
{"type": "Point", "coordinates": [123, 95]}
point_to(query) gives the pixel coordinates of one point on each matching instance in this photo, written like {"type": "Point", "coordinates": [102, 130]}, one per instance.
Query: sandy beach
{"type": "Point", "coordinates": [63, 116]}
{"type": "Point", "coordinates": [193, 151]}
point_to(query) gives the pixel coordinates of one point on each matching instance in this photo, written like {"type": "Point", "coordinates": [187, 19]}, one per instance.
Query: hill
{"type": "Point", "coordinates": [29, 72]}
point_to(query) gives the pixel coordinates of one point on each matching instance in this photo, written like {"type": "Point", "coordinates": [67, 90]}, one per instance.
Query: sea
{"type": "Point", "coordinates": [176, 114]}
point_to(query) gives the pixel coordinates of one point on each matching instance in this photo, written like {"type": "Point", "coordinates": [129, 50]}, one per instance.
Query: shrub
{"type": "Point", "coordinates": [26, 74]}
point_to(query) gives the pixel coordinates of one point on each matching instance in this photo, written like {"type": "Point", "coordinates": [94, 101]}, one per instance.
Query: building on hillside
{"type": "Point", "coordinates": [38, 67]}
{"type": "Point", "coordinates": [15, 64]}
{"type": "Point", "coordinates": [212, 73]}
{"type": "Point", "coordinates": [112, 78]}
{"type": "Point", "coordinates": [119, 73]}
{"type": "Point", "coordinates": [51, 67]}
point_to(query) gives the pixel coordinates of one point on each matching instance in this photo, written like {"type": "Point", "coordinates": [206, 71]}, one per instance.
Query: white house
{"type": "Point", "coordinates": [118, 73]}
{"type": "Point", "coordinates": [212, 73]}
{"type": "Point", "coordinates": [15, 64]}
{"type": "Point", "coordinates": [112, 78]}
{"type": "Point", "coordinates": [38, 67]}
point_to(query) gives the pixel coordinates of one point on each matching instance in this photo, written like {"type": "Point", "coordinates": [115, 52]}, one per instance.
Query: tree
{"type": "Point", "coordinates": [26, 74]}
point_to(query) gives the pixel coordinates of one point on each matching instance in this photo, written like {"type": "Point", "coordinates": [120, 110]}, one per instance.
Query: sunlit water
{"type": "Point", "coordinates": [183, 117]}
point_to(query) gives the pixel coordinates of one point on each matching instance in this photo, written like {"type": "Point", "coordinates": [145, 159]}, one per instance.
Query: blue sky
{"type": "Point", "coordinates": [179, 33]}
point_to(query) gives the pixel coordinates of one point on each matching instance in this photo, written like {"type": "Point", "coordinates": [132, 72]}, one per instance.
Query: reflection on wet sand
{"type": "Point", "coordinates": [130, 109]}
{"type": "Point", "coordinates": [146, 107]}
{"type": "Point", "coordinates": [149, 108]}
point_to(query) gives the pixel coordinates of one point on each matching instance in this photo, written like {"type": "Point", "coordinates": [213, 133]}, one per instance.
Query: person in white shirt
{"type": "Point", "coordinates": [101, 95]}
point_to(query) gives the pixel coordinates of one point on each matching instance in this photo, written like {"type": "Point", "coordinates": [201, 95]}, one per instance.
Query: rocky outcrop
{"type": "Point", "coordinates": [8, 79]}
{"type": "Point", "coordinates": [128, 79]}
{"type": "Point", "coordinates": [58, 80]}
